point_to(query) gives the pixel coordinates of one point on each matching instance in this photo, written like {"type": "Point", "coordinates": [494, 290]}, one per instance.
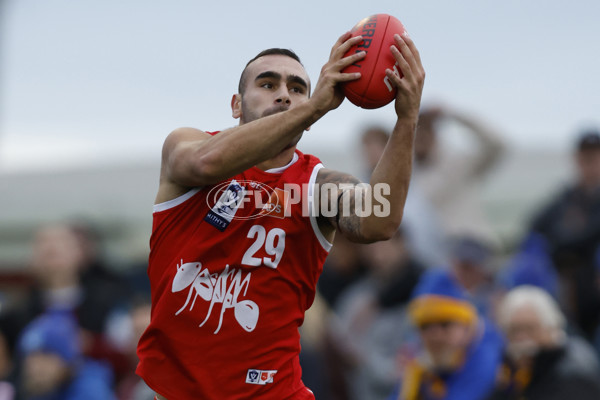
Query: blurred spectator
{"type": "Point", "coordinates": [461, 350]}
{"type": "Point", "coordinates": [571, 225]}
{"type": "Point", "coordinates": [371, 329]}
{"type": "Point", "coordinates": [420, 222]}
{"type": "Point", "coordinates": [373, 142]}
{"type": "Point", "coordinates": [316, 373]}
{"type": "Point", "coordinates": [541, 362]}
{"type": "Point", "coordinates": [64, 281]}
{"type": "Point", "coordinates": [132, 387]}
{"type": "Point", "coordinates": [96, 277]}
{"type": "Point", "coordinates": [7, 390]}
{"type": "Point", "coordinates": [531, 264]}
{"type": "Point", "coordinates": [451, 180]}
{"type": "Point", "coordinates": [67, 278]}
{"type": "Point", "coordinates": [343, 267]}
{"type": "Point", "coordinates": [470, 264]}
{"type": "Point", "coordinates": [52, 366]}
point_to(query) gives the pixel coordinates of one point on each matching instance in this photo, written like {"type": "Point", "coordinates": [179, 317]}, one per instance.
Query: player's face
{"type": "Point", "coordinates": [275, 83]}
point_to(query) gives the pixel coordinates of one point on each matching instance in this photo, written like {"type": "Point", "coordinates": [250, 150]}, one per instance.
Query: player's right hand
{"type": "Point", "coordinates": [328, 93]}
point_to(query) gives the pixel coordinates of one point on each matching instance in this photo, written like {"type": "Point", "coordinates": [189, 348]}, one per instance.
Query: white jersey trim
{"type": "Point", "coordinates": [176, 201]}
{"type": "Point", "coordinates": [281, 169]}
{"type": "Point", "coordinates": [311, 209]}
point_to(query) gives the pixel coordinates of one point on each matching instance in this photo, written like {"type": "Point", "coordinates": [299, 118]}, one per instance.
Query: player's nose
{"type": "Point", "coordinates": [283, 96]}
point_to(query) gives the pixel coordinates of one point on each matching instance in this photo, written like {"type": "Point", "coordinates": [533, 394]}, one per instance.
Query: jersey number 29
{"type": "Point", "coordinates": [273, 241]}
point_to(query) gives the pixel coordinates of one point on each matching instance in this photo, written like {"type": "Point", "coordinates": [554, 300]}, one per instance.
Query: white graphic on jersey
{"type": "Point", "coordinates": [223, 288]}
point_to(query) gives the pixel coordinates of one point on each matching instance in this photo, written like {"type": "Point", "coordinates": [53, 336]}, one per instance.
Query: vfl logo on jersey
{"type": "Point", "coordinates": [278, 204]}
{"type": "Point", "coordinates": [224, 288]}
{"type": "Point", "coordinates": [226, 200]}
{"type": "Point", "coordinates": [224, 210]}
{"type": "Point", "coordinates": [260, 377]}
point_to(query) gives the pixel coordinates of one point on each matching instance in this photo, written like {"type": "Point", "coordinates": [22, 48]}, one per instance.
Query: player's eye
{"type": "Point", "coordinates": [267, 85]}
{"type": "Point", "coordinates": [297, 89]}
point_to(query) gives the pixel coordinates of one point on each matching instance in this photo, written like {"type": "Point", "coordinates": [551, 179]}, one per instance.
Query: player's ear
{"type": "Point", "coordinates": [236, 106]}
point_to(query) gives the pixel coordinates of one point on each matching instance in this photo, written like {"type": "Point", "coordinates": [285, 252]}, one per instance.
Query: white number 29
{"type": "Point", "coordinates": [274, 243]}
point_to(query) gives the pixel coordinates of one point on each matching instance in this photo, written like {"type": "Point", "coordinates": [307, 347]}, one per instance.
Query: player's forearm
{"type": "Point", "coordinates": [236, 149]}
{"type": "Point", "coordinates": [393, 170]}
{"type": "Point", "coordinates": [387, 191]}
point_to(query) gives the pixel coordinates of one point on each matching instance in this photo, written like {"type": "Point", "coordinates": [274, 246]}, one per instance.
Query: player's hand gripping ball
{"type": "Point", "coordinates": [373, 89]}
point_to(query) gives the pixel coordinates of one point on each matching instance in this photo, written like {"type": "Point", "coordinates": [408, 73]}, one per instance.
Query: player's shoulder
{"type": "Point", "coordinates": [183, 135]}
{"type": "Point", "coordinates": [187, 133]}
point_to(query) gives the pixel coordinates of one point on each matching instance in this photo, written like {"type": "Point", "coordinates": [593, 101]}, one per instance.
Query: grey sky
{"type": "Point", "coordinates": [96, 81]}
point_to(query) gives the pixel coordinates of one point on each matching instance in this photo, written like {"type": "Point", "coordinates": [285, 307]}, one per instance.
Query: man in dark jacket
{"type": "Point", "coordinates": [541, 362]}
{"type": "Point", "coordinates": [570, 224]}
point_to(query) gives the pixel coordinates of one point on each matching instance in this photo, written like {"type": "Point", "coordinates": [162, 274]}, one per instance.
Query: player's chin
{"type": "Point", "coordinates": [294, 142]}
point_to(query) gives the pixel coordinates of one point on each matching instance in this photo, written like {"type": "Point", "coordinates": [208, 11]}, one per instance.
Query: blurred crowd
{"type": "Point", "coordinates": [74, 332]}
{"type": "Point", "coordinates": [442, 310]}
{"type": "Point", "coordinates": [447, 309]}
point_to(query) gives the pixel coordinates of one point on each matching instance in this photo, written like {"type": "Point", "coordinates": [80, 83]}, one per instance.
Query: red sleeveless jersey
{"type": "Point", "coordinates": [233, 267]}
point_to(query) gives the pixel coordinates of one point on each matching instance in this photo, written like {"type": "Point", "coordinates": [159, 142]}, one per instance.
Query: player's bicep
{"type": "Point", "coordinates": [182, 157]}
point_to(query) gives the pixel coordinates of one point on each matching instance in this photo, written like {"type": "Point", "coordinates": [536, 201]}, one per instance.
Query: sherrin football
{"type": "Point", "coordinates": [373, 89]}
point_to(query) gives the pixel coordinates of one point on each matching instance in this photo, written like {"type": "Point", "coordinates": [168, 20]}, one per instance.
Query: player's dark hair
{"type": "Point", "coordinates": [267, 52]}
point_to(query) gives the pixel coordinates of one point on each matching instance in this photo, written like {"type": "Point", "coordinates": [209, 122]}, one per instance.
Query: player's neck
{"type": "Point", "coordinates": [280, 160]}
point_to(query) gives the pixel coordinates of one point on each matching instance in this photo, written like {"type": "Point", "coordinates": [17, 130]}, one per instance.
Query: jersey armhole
{"type": "Point", "coordinates": [312, 209]}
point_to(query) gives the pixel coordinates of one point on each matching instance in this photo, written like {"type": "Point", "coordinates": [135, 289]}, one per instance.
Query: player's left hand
{"type": "Point", "coordinates": [409, 87]}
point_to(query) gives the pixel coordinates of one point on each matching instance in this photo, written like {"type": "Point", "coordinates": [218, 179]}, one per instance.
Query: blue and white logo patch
{"type": "Point", "coordinates": [222, 213]}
